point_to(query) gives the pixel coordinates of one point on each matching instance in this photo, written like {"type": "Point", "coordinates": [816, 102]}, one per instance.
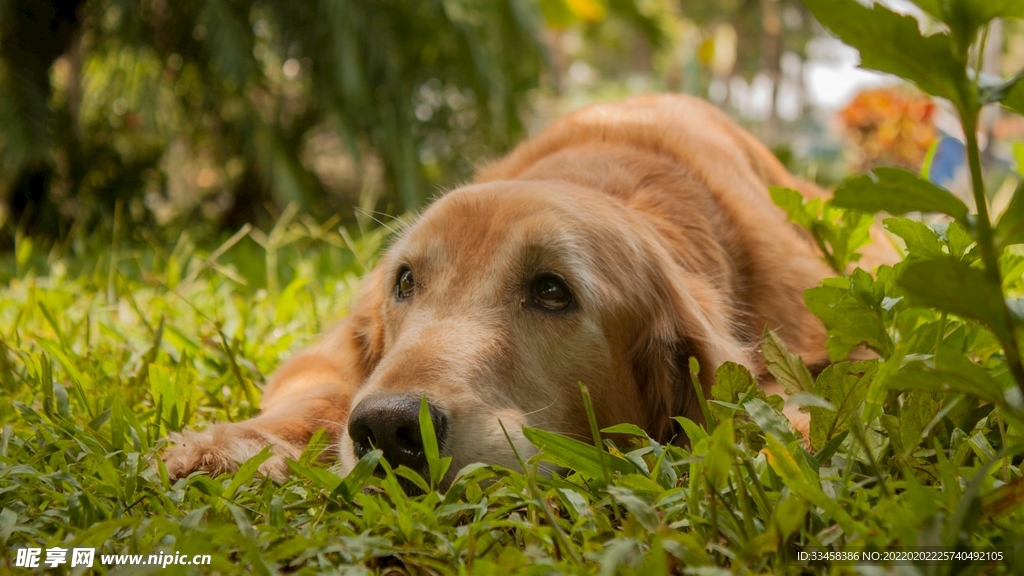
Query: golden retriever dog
{"type": "Point", "coordinates": [609, 249]}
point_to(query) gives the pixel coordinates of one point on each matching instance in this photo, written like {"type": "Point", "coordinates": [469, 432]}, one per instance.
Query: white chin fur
{"type": "Point", "coordinates": [346, 454]}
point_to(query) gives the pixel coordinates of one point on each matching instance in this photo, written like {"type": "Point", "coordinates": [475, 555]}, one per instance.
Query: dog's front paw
{"type": "Point", "coordinates": [220, 450]}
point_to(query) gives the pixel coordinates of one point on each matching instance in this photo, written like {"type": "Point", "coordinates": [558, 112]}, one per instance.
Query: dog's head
{"type": "Point", "coordinates": [504, 296]}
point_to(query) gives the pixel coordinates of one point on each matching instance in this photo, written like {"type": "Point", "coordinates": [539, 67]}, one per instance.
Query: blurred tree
{"type": "Point", "coordinates": [754, 36]}
{"type": "Point", "coordinates": [146, 101]}
{"type": "Point", "coordinates": [32, 35]}
{"type": "Point", "coordinates": [242, 81]}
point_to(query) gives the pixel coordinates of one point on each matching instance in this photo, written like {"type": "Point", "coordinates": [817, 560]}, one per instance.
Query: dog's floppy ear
{"type": "Point", "coordinates": [687, 320]}
{"type": "Point", "coordinates": [364, 327]}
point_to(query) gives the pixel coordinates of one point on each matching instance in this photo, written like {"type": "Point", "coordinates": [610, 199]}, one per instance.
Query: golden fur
{"type": "Point", "coordinates": [656, 213]}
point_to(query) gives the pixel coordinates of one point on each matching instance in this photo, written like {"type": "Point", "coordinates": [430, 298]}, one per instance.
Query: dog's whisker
{"type": "Point", "coordinates": [393, 217]}
{"type": "Point", "coordinates": [538, 410]}
{"type": "Point", "coordinates": [545, 426]}
{"type": "Point", "coordinates": [375, 219]}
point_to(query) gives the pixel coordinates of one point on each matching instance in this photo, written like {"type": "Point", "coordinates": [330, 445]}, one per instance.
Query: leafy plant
{"type": "Point", "coordinates": [939, 64]}
{"type": "Point", "coordinates": [839, 233]}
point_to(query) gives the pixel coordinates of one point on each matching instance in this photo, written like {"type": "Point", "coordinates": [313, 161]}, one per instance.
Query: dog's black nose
{"type": "Point", "coordinates": [391, 424]}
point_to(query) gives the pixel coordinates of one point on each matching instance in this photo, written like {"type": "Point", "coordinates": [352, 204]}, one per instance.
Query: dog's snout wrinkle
{"type": "Point", "coordinates": [391, 424]}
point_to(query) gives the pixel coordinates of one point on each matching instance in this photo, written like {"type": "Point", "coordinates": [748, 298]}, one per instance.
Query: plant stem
{"type": "Point", "coordinates": [969, 120]}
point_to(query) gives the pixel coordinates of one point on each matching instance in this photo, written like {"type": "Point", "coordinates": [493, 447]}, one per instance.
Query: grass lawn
{"type": "Point", "coordinates": [108, 345]}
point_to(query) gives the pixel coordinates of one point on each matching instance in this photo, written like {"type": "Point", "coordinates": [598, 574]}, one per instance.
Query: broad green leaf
{"type": "Point", "coordinates": [575, 454]}
{"type": "Point", "coordinates": [60, 395]}
{"type": "Point", "coordinates": [316, 445]}
{"type": "Point", "coordinates": [890, 42]}
{"type": "Point", "coordinates": [656, 561]}
{"type": "Point", "coordinates": [839, 233]}
{"type": "Point", "coordinates": [257, 562]}
{"type": "Point", "coordinates": [324, 478]}
{"type": "Point", "coordinates": [958, 240]}
{"type": "Point", "coordinates": [785, 465]}
{"type": "Point", "coordinates": [787, 368]}
{"type": "Point", "coordinates": [638, 508]}
{"type": "Point", "coordinates": [828, 450]}
{"type": "Point", "coordinates": [891, 426]}
{"type": "Point", "coordinates": [1011, 266]}
{"type": "Point", "coordinates": [1001, 91]}
{"type": "Point", "coordinates": [770, 421]}
{"type": "Point", "coordinates": [897, 192]}
{"type": "Point", "coordinates": [732, 382]}
{"type": "Point", "coordinates": [694, 432]}
{"type": "Point", "coordinates": [1014, 98]}
{"type": "Point", "coordinates": [806, 399]}
{"type": "Point", "coordinates": [853, 313]}
{"type": "Point", "coordinates": [965, 17]}
{"type": "Point", "coordinates": [878, 390]}
{"type": "Point", "coordinates": [245, 473]}
{"type": "Point", "coordinates": [981, 11]}
{"type": "Point", "coordinates": [788, 516]}
{"type": "Point", "coordinates": [414, 477]}
{"type": "Point", "coordinates": [1007, 498]}
{"type": "Point", "coordinates": [630, 429]}
{"type": "Point", "coordinates": [851, 233]}
{"type": "Point", "coordinates": [981, 446]}
{"type": "Point", "coordinates": [918, 409]}
{"type": "Point", "coordinates": [933, 7]}
{"type": "Point", "coordinates": [78, 378]}
{"type": "Point", "coordinates": [164, 392]}
{"type": "Point", "coordinates": [953, 373]}
{"type": "Point", "coordinates": [921, 240]}
{"type": "Point", "coordinates": [354, 482]}
{"type": "Point", "coordinates": [436, 465]}
{"type": "Point", "coordinates": [793, 203]}
{"type": "Point", "coordinates": [844, 385]}
{"type": "Point", "coordinates": [955, 287]}
{"type": "Point", "coordinates": [1010, 229]}
{"type": "Point", "coordinates": [574, 502]}
{"type": "Point", "coordinates": [720, 458]}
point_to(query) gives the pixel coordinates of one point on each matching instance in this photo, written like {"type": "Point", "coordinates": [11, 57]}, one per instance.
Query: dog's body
{"type": "Point", "coordinates": [607, 250]}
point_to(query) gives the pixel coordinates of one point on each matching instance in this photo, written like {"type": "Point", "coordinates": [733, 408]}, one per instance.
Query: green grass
{"type": "Point", "coordinates": [109, 346]}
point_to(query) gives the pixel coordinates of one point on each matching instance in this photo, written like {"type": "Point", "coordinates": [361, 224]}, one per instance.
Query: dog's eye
{"type": "Point", "coordinates": [551, 293]}
{"type": "Point", "coordinates": [405, 285]}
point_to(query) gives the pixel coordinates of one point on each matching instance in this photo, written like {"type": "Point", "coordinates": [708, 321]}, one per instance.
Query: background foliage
{"type": "Point", "coordinates": [222, 105]}
{"type": "Point", "coordinates": [206, 112]}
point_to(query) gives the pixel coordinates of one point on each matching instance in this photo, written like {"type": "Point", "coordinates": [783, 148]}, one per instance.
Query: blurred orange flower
{"type": "Point", "coordinates": [889, 126]}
